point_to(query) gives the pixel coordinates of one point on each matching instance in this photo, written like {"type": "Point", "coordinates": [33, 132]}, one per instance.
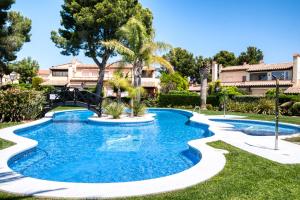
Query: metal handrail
{"type": "Point", "coordinates": [197, 107]}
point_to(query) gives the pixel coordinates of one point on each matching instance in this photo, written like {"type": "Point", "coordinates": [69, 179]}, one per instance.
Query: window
{"type": "Point", "coordinates": [146, 74]}
{"type": "Point", "coordinates": [259, 76]}
{"type": "Point", "coordinates": [61, 73]}
{"type": "Point", "coordinates": [281, 75]}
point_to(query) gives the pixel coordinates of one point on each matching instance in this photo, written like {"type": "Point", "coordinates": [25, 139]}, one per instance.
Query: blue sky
{"type": "Point", "coordinates": [201, 27]}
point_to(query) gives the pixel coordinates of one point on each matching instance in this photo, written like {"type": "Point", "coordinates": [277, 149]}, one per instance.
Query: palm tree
{"type": "Point", "coordinates": [119, 81]}
{"type": "Point", "coordinates": [139, 49]}
{"type": "Point", "coordinates": [204, 72]}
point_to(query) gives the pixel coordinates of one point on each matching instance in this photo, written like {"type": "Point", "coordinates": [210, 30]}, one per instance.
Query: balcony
{"type": "Point", "coordinates": [150, 82]}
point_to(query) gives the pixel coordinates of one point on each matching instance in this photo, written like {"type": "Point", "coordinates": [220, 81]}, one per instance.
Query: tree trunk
{"type": "Point", "coordinates": [1, 77]}
{"type": "Point", "coordinates": [203, 93]}
{"type": "Point", "coordinates": [138, 68]}
{"type": "Point", "coordinates": [99, 86]}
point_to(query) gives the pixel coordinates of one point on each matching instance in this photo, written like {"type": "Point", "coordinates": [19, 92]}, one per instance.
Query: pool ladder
{"type": "Point", "coordinates": [195, 109]}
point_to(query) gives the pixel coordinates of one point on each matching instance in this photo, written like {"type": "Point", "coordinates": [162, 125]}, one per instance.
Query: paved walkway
{"type": "Point", "coordinates": [264, 146]}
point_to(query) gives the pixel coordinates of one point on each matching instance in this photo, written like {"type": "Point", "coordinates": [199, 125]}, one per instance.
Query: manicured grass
{"type": "Point", "coordinates": [287, 119]}
{"type": "Point", "coordinates": [8, 124]}
{"type": "Point", "coordinates": [60, 108]}
{"type": "Point", "coordinates": [294, 139]}
{"type": "Point", "coordinates": [245, 176]}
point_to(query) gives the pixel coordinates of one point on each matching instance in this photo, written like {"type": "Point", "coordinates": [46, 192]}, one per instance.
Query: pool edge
{"type": "Point", "coordinates": [202, 171]}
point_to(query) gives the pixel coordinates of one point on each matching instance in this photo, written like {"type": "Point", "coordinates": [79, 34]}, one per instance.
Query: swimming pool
{"type": "Point", "coordinates": [74, 149]}
{"type": "Point", "coordinates": [260, 128]}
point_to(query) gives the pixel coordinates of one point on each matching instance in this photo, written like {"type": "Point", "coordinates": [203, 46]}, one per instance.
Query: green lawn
{"type": "Point", "coordinates": [60, 108]}
{"type": "Point", "coordinates": [245, 176]}
{"type": "Point", "coordinates": [287, 119]}
{"type": "Point", "coordinates": [294, 139]}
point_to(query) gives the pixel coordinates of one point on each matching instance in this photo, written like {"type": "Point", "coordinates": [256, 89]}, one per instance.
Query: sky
{"type": "Point", "coordinates": [202, 27]}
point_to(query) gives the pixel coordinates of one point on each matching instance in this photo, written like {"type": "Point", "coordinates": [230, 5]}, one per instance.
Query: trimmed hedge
{"type": "Point", "coordinates": [166, 100]}
{"type": "Point", "coordinates": [185, 99]}
{"type": "Point", "coordinates": [17, 105]}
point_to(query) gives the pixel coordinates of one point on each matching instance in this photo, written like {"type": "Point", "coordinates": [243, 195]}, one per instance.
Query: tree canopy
{"type": "Point", "coordinates": [14, 32]}
{"type": "Point", "coordinates": [253, 55]}
{"type": "Point", "coordinates": [225, 58]}
{"type": "Point", "coordinates": [173, 81]}
{"type": "Point", "coordinates": [182, 61]}
{"type": "Point", "coordinates": [139, 48]}
{"type": "Point", "coordinates": [27, 68]}
{"type": "Point", "coordinates": [87, 24]}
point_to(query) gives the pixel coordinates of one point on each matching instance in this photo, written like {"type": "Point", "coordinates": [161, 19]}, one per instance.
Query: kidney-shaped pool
{"type": "Point", "coordinates": [73, 149]}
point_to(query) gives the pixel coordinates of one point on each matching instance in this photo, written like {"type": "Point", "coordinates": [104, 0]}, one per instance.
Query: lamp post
{"type": "Point", "coordinates": [13, 76]}
{"type": "Point", "coordinates": [276, 111]}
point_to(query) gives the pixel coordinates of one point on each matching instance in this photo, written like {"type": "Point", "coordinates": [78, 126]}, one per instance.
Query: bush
{"type": "Point", "coordinates": [265, 106]}
{"type": "Point", "coordinates": [36, 82]}
{"type": "Point", "coordinates": [296, 108]}
{"type": "Point", "coordinates": [247, 98]}
{"type": "Point", "coordinates": [19, 104]}
{"type": "Point", "coordinates": [173, 81]}
{"type": "Point", "coordinates": [151, 102]}
{"type": "Point", "coordinates": [262, 106]}
{"type": "Point", "coordinates": [138, 108]}
{"type": "Point", "coordinates": [286, 107]}
{"type": "Point", "coordinates": [214, 100]}
{"type": "Point", "coordinates": [114, 109]}
{"type": "Point", "coordinates": [173, 100]}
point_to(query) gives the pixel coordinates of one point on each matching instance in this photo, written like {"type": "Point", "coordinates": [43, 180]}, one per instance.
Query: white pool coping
{"type": "Point", "coordinates": [211, 163]}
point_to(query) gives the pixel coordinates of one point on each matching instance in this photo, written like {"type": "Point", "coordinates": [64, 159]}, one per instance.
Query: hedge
{"type": "Point", "coordinates": [18, 104]}
{"type": "Point", "coordinates": [172, 100]}
{"type": "Point", "coordinates": [282, 98]}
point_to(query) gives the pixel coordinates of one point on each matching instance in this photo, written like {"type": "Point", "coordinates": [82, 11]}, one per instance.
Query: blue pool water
{"type": "Point", "coordinates": [73, 149]}
{"type": "Point", "coordinates": [258, 128]}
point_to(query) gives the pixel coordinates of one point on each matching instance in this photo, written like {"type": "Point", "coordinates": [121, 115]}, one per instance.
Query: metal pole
{"type": "Point", "coordinates": [276, 113]}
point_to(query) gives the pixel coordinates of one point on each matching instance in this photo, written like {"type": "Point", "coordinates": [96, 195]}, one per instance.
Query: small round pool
{"type": "Point", "coordinates": [73, 149]}
{"type": "Point", "coordinates": [259, 128]}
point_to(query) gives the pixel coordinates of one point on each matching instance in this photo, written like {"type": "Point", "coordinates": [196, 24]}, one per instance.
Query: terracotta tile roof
{"type": "Point", "coordinates": [293, 90]}
{"type": "Point", "coordinates": [55, 82]}
{"type": "Point", "coordinates": [267, 67]}
{"type": "Point", "coordinates": [236, 68]}
{"type": "Point", "coordinates": [259, 67]}
{"type": "Point", "coordinates": [113, 66]}
{"type": "Point", "coordinates": [257, 83]}
{"type": "Point", "coordinates": [43, 72]}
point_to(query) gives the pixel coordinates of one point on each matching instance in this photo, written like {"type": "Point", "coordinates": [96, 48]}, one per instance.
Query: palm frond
{"type": "Point", "coordinates": [161, 61]}
{"type": "Point", "coordinates": [119, 47]}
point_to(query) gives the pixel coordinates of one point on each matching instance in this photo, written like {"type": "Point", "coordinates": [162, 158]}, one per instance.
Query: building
{"type": "Point", "coordinates": [76, 74]}
{"type": "Point", "coordinates": [258, 79]}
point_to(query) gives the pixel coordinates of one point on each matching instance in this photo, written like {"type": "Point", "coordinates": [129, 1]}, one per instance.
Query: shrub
{"type": "Point", "coordinates": [114, 109]}
{"type": "Point", "coordinates": [138, 108]}
{"type": "Point", "coordinates": [173, 81]}
{"type": "Point", "coordinates": [151, 102]}
{"type": "Point", "coordinates": [286, 107]}
{"type": "Point", "coordinates": [209, 107]}
{"type": "Point", "coordinates": [214, 100]}
{"type": "Point", "coordinates": [172, 100]}
{"type": "Point", "coordinates": [36, 82]}
{"type": "Point", "coordinates": [247, 98]}
{"type": "Point", "coordinates": [296, 108]}
{"type": "Point", "coordinates": [265, 106]}
{"type": "Point", "coordinates": [20, 104]}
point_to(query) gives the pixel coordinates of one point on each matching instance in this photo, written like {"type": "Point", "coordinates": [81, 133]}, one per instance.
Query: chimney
{"type": "Point", "coordinates": [245, 63]}
{"type": "Point", "coordinates": [296, 69]}
{"type": "Point", "coordinates": [261, 62]}
{"type": "Point", "coordinates": [215, 71]}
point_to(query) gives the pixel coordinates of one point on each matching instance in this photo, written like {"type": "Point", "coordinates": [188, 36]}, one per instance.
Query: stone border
{"type": "Point", "coordinates": [211, 163]}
